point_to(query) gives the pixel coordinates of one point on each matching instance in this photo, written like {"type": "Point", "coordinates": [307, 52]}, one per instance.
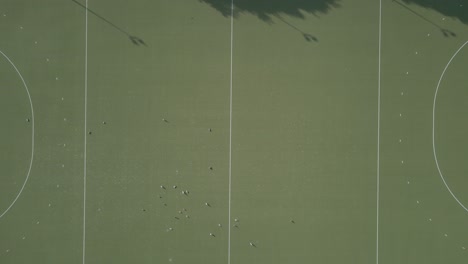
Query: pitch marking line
{"type": "Point", "coordinates": [230, 134]}
{"type": "Point", "coordinates": [378, 135]}
{"type": "Point", "coordinates": [433, 128]}
{"type": "Point", "coordinates": [85, 131]}
{"type": "Point", "coordinates": [32, 137]}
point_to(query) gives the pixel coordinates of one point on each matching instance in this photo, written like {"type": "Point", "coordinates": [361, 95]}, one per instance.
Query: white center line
{"type": "Point", "coordinates": [230, 134]}
{"type": "Point", "coordinates": [85, 131]}
{"type": "Point", "coordinates": [378, 135]}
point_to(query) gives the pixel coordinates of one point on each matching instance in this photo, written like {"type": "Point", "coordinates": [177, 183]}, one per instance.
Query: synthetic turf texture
{"type": "Point", "coordinates": [304, 133]}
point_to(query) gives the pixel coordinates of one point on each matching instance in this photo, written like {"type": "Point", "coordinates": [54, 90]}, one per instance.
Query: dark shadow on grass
{"type": "Point", "coordinates": [266, 10]}
{"type": "Point", "coordinates": [446, 32]}
{"type": "Point", "coordinates": [134, 39]}
{"type": "Point", "coordinates": [451, 8]}
{"type": "Point", "coordinates": [308, 37]}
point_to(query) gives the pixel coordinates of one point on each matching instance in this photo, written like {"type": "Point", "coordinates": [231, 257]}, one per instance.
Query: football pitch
{"type": "Point", "coordinates": [234, 131]}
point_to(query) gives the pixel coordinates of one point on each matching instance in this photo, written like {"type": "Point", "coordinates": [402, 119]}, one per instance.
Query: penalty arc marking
{"type": "Point", "coordinates": [433, 128]}
{"type": "Point", "coordinates": [32, 137]}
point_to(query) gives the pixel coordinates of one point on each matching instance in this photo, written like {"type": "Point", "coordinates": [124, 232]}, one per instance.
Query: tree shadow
{"type": "Point", "coordinates": [451, 8]}
{"type": "Point", "coordinates": [267, 9]}
{"type": "Point", "coordinates": [446, 32]}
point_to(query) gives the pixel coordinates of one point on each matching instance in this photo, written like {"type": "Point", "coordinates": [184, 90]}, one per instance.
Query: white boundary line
{"type": "Point", "coordinates": [230, 133]}
{"type": "Point", "coordinates": [378, 136]}
{"type": "Point", "coordinates": [32, 137]}
{"type": "Point", "coordinates": [85, 131]}
{"type": "Point", "coordinates": [433, 127]}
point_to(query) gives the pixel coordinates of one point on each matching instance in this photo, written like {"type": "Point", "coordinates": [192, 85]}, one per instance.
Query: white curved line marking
{"type": "Point", "coordinates": [32, 144]}
{"type": "Point", "coordinates": [433, 127]}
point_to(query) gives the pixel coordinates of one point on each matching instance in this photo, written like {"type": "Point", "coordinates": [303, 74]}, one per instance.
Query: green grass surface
{"type": "Point", "coordinates": [304, 132]}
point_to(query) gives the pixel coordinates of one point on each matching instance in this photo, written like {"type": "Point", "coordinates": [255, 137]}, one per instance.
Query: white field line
{"type": "Point", "coordinates": [230, 134]}
{"type": "Point", "coordinates": [433, 128]}
{"type": "Point", "coordinates": [32, 137]}
{"type": "Point", "coordinates": [85, 132]}
{"type": "Point", "coordinates": [378, 136]}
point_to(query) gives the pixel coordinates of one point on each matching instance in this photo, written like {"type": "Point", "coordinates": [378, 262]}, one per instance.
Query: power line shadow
{"type": "Point", "coordinates": [134, 39]}
{"type": "Point", "coordinates": [308, 37]}
{"type": "Point", "coordinates": [446, 32]}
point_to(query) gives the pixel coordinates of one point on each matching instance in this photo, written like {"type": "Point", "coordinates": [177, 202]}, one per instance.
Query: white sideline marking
{"type": "Point", "coordinates": [378, 136]}
{"type": "Point", "coordinates": [85, 131]}
{"type": "Point", "coordinates": [230, 134]}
